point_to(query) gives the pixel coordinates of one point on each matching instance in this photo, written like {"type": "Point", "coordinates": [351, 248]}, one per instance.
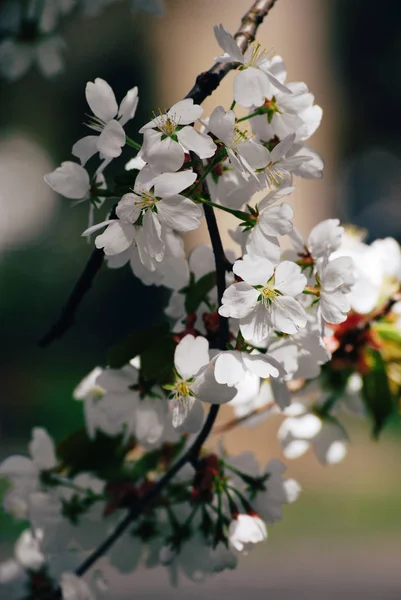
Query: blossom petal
{"type": "Point", "coordinates": [200, 143]}
{"type": "Point", "coordinates": [255, 270]}
{"type": "Point", "coordinates": [289, 279]}
{"type": "Point", "coordinates": [185, 111]}
{"type": "Point", "coordinates": [229, 368]}
{"type": "Point", "coordinates": [128, 106]}
{"type": "Point", "coordinates": [238, 300]}
{"type": "Point", "coordinates": [228, 44]}
{"type": "Point", "coordinates": [190, 355]}
{"type": "Point", "coordinates": [70, 179]}
{"type": "Point", "coordinates": [111, 140]}
{"type": "Point", "coordinates": [85, 148]}
{"type": "Point", "coordinates": [128, 209]}
{"type": "Point", "coordinates": [180, 213]}
{"type": "Point", "coordinates": [116, 238]}
{"type": "Point", "coordinates": [170, 184]}
{"type": "Point", "coordinates": [221, 124]}
{"type": "Point", "coordinates": [256, 326]}
{"type": "Point", "coordinates": [287, 314]}
{"type": "Point", "coordinates": [101, 99]}
{"type": "Point", "coordinates": [251, 87]}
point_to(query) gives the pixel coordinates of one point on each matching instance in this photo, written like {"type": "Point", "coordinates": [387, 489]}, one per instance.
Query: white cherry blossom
{"type": "Point", "coordinates": [244, 154]}
{"type": "Point", "coordinates": [265, 299]}
{"type": "Point", "coordinates": [195, 382]}
{"type": "Point", "coordinates": [336, 279]}
{"type": "Point", "coordinates": [108, 120]}
{"type": "Point", "coordinates": [168, 136]}
{"type": "Point", "coordinates": [245, 530]}
{"type": "Point", "coordinates": [255, 80]}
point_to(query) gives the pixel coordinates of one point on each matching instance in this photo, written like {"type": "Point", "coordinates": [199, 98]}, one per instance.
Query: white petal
{"type": "Point", "coordinates": [111, 140]}
{"type": "Point", "coordinates": [276, 220]}
{"type": "Point", "coordinates": [85, 148]}
{"type": "Point", "coordinates": [228, 44]}
{"type": "Point", "coordinates": [70, 179]}
{"type": "Point", "coordinates": [238, 300]}
{"type": "Point", "coordinates": [75, 588]}
{"type": "Point", "coordinates": [190, 355]}
{"type": "Point", "coordinates": [255, 270]}
{"type": "Point", "coordinates": [281, 393]}
{"type": "Point", "coordinates": [164, 155]}
{"type": "Point", "coordinates": [288, 279]}
{"type": "Point", "coordinates": [261, 245]}
{"type": "Point", "coordinates": [229, 368]}
{"type": "Point", "coordinates": [200, 143]}
{"type": "Point", "coordinates": [221, 124]}
{"type": "Point", "coordinates": [194, 419]}
{"type": "Point", "coordinates": [255, 154]}
{"type": "Point", "coordinates": [263, 365]}
{"type": "Point", "coordinates": [128, 106]}
{"type": "Point", "coordinates": [251, 87]}
{"type": "Point", "coordinates": [334, 306]}
{"type": "Point", "coordinates": [207, 388]}
{"type": "Point", "coordinates": [287, 315]}
{"type": "Point", "coordinates": [128, 209]}
{"type": "Point", "coordinates": [42, 449]}
{"type": "Point", "coordinates": [151, 230]}
{"type": "Point", "coordinates": [185, 111]}
{"type": "Point", "coordinates": [117, 238]}
{"type": "Point", "coordinates": [257, 326]}
{"type": "Point", "coordinates": [180, 213]}
{"type": "Point", "coordinates": [170, 184]}
{"type": "Point", "coordinates": [101, 99]}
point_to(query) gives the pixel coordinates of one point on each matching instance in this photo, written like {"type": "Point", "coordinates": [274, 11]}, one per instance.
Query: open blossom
{"type": "Point", "coordinates": [271, 221]}
{"type": "Point", "coordinates": [244, 153]}
{"type": "Point", "coordinates": [246, 530]}
{"type": "Point", "coordinates": [232, 366]}
{"type": "Point", "coordinates": [108, 120]}
{"type": "Point", "coordinates": [324, 239]}
{"type": "Point", "coordinates": [336, 279]}
{"type": "Point", "coordinates": [17, 57]}
{"type": "Point", "coordinates": [23, 473]}
{"type": "Point", "coordinates": [254, 81]}
{"type": "Point", "coordinates": [287, 113]}
{"type": "Point", "coordinates": [159, 204]}
{"type": "Point", "coordinates": [302, 430]}
{"type": "Point", "coordinates": [265, 299]}
{"type": "Point", "coordinates": [168, 136]}
{"type": "Point", "coordinates": [172, 272]}
{"type": "Point", "coordinates": [195, 382]}
{"type": "Point", "coordinates": [279, 168]}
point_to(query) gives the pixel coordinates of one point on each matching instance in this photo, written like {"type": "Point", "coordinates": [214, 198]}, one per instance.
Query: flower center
{"type": "Point", "coordinates": [259, 54]}
{"type": "Point", "coordinates": [240, 136]}
{"type": "Point", "coordinates": [268, 295]}
{"type": "Point", "coordinates": [274, 174]}
{"type": "Point", "coordinates": [167, 124]}
{"type": "Point", "coordinates": [182, 389]}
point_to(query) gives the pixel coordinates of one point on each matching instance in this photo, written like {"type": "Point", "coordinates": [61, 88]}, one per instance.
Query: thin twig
{"type": "Point", "coordinates": [204, 86]}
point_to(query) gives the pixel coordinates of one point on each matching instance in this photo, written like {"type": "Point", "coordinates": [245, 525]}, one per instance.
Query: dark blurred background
{"type": "Point", "coordinates": [343, 534]}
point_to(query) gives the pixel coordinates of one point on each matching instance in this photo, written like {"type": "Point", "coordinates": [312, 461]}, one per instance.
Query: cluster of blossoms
{"type": "Point", "coordinates": [302, 332]}
{"type": "Point", "coordinates": [29, 32]}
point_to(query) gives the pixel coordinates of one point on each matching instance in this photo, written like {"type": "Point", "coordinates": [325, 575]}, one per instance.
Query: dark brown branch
{"type": "Point", "coordinates": [204, 86]}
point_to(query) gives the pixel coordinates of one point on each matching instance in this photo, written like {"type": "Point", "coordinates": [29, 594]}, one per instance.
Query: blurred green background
{"type": "Point", "coordinates": [346, 526]}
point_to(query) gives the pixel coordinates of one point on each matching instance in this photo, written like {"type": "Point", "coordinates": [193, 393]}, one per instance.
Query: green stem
{"type": "Point", "coordinates": [233, 103]}
{"type": "Point", "coordinates": [237, 213]}
{"type": "Point", "coordinates": [254, 114]}
{"type": "Point", "coordinates": [132, 143]}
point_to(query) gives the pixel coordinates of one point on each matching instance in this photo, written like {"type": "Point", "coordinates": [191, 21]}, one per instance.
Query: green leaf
{"type": "Point", "coordinates": [388, 332]}
{"type": "Point", "coordinates": [135, 344]}
{"type": "Point", "coordinates": [157, 360]}
{"type": "Point", "coordinates": [377, 395]}
{"type": "Point", "coordinates": [104, 455]}
{"type": "Point", "coordinates": [197, 291]}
